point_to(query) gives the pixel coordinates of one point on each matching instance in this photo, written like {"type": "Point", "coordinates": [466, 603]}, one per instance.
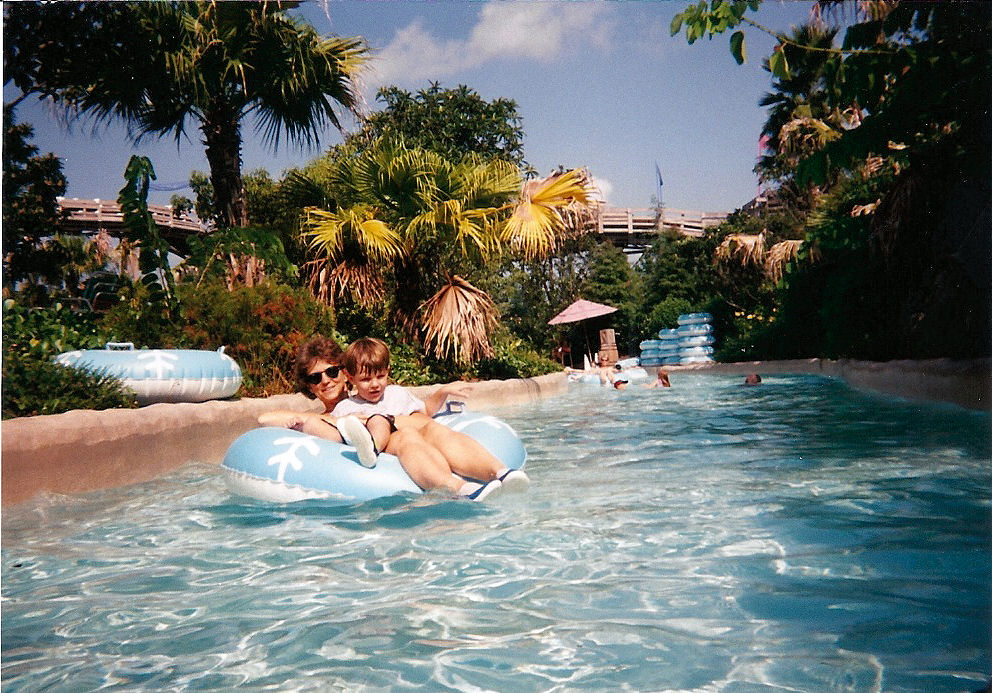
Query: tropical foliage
{"type": "Point", "coordinates": [423, 228]}
{"type": "Point", "coordinates": [406, 216]}
{"type": "Point", "coordinates": [158, 65]}
{"type": "Point", "coordinates": [452, 122]}
{"type": "Point", "coordinates": [881, 146]}
{"type": "Point", "coordinates": [31, 187]}
{"type": "Point", "coordinates": [32, 382]}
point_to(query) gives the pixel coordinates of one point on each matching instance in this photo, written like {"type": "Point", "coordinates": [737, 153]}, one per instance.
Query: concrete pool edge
{"type": "Point", "coordinates": [966, 382]}
{"type": "Point", "coordinates": [82, 451]}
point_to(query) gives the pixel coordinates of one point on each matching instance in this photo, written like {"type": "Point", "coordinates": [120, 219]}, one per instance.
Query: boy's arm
{"type": "Point", "coordinates": [439, 395]}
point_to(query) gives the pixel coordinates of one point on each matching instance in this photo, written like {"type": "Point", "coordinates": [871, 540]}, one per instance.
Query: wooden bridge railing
{"type": "Point", "coordinates": [638, 226]}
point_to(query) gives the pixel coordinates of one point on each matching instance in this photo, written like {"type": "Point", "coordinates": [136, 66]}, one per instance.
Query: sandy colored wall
{"type": "Point", "coordinates": [83, 451]}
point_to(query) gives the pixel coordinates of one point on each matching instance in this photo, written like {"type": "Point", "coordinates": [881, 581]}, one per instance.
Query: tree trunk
{"type": "Point", "coordinates": [222, 138]}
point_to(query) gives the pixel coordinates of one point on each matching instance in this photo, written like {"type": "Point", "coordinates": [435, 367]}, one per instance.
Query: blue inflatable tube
{"type": "Point", "coordinates": [162, 375]}
{"type": "Point", "coordinates": [696, 351]}
{"type": "Point", "coordinates": [696, 330]}
{"type": "Point", "coordinates": [285, 466]}
{"type": "Point", "coordinates": [695, 318]}
{"type": "Point", "coordinates": [702, 340]}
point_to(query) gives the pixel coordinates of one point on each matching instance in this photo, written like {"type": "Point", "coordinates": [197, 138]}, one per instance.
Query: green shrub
{"type": "Point", "coordinates": [665, 315]}
{"type": "Point", "coordinates": [46, 332]}
{"type": "Point", "coordinates": [33, 383]}
{"type": "Point", "coordinates": [139, 319]}
{"type": "Point", "coordinates": [405, 367]}
{"type": "Point", "coordinates": [260, 326]}
{"type": "Point", "coordinates": [34, 386]}
{"type": "Point", "coordinates": [513, 359]}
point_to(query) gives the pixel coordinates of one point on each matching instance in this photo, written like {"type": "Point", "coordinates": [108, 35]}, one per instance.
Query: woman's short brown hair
{"type": "Point", "coordinates": [365, 355]}
{"type": "Point", "coordinates": [315, 349]}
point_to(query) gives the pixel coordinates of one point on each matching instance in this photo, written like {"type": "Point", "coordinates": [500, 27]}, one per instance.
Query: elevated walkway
{"type": "Point", "coordinates": [92, 216]}
{"type": "Point", "coordinates": [631, 227]}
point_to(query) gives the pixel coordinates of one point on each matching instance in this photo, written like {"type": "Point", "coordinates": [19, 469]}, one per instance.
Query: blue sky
{"type": "Point", "coordinates": [598, 84]}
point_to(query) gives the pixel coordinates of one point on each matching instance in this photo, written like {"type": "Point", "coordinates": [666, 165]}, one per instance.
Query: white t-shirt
{"type": "Point", "coordinates": [396, 401]}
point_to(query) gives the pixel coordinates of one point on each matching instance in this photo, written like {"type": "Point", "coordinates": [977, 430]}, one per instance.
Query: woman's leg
{"type": "Point", "coordinates": [464, 454]}
{"type": "Point", "coordinates": [423, 462]}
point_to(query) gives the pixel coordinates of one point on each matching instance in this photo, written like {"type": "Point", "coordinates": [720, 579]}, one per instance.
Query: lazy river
{"type": "Point", "coordinates": [796, 536]}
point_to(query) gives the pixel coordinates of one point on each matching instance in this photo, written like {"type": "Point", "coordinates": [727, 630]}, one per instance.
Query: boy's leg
{"type": "Point", "coordinates": [381, 429]}
{"type": "Point", "coordinates": [358, 436]}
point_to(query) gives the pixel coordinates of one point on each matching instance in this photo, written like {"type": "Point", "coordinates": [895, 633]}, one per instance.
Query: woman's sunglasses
{"type": "Point", "coordinates": [331, 371]}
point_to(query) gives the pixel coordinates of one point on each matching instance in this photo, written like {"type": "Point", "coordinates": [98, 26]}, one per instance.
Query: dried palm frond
{"type": "Point", "coordinates": [805, 135]}
{"type": "Point", "coordinates": [861, 210]}
{"type": "Point", "coordinates": [748, 248]}
{"type": "Point", "coordinates": [328, 281]}
{"type": "Point", "coordinates": [778, 256]}
{"type": "Point", "coordinates": [457, 321]}
{"type": "Point", "coordinates": [548, 210]}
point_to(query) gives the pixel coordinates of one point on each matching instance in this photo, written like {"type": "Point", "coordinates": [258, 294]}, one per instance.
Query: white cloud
{"type": "Point", "coordinates": [541, 31]}
{"type": "Point", "coordinates": [605, 187]}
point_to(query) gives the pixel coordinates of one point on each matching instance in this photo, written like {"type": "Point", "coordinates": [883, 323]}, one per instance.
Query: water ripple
{"type": "Point", "coordinates": [798, 536]}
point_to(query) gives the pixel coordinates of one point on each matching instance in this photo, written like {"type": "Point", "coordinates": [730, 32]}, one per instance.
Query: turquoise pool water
{"type": "Point", "coordinates": [798, 536]}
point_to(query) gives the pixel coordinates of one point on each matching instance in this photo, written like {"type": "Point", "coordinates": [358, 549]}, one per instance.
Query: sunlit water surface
{"type": "Point", "coordinates": [797, 536]}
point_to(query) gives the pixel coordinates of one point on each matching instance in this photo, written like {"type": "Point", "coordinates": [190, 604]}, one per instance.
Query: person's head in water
{"type": "Point", "coordinates": [752, 379]}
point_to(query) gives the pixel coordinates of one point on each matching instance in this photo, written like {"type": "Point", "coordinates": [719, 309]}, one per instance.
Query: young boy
{"type": "Point", "coordinates": [366, 366]}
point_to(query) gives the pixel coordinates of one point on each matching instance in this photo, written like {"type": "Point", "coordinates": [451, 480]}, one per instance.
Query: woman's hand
{"type": "Point", "coordinates": [282, 419]}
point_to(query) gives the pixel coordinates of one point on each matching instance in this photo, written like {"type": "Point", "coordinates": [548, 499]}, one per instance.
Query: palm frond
{"type": "Point", "coordinates": [547, 211]}
{"type": "Point", "coordinates": [779, 255]}
{"type": "Point", "coordinates": [457, 322]}
{"type": "Point", "coordinates": [749, 249]}
{"type": "Point", "coordinates": [330, 231]}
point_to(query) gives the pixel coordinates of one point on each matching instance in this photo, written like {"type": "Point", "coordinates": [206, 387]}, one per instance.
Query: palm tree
{"type": "Point", "coordinates": [798, 104]}
{"type": "Point", "coordinates": [408, 216]}
{"type": "Point", "coordinates": [213, 63]}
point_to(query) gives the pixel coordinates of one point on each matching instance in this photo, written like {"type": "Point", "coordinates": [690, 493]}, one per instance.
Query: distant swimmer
{"type": "Point", "coordinates": [752, 379]}
{"type": "Point", "coordinates": [662, 380]}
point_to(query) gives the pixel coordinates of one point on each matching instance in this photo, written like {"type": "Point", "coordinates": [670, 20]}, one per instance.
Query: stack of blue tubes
{"type": "Point", "coordinates": [695, 338]}
{"type": "Point", "coordinates": [661, 352]}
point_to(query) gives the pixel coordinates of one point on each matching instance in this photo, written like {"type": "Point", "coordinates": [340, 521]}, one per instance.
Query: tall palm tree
{"type": "Point", "coordinates": [213, 63]}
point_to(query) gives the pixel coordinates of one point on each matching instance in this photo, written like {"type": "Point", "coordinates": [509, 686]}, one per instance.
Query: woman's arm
{"type": "Point", "coordinates": [319, 425]}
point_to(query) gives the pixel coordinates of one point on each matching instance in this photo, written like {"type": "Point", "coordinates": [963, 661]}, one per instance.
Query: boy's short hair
{"type": "Point", "coordinates": [366, 355]}
{"type": "Point", "coordinates": [315, 349]}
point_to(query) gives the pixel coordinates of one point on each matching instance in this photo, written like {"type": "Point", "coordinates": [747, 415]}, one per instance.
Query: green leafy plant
{"type": "Point", "coordinates": [153, 256]}
{"type": "Point", "coordinates": [260, 326]}
{"type": "Point", "coordinates": [33, 386]}
{"type": "Point", "coordinates": [240, 255]}
{"type": "Point", "coordinates": [33, 383]}
{"type": "Point", "coordinates": [513, 358]}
